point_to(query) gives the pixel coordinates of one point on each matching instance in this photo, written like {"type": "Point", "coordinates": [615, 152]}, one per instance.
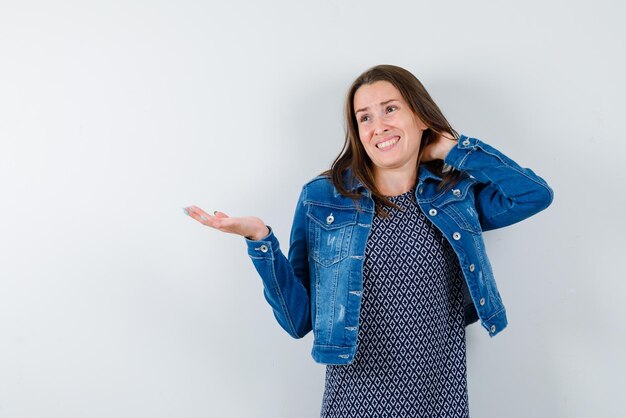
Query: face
{"type": "Point", "coordinates": [388, 129]}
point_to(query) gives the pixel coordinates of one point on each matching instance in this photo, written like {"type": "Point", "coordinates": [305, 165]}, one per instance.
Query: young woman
{"type": "Point", "coordinates": [387, 263]}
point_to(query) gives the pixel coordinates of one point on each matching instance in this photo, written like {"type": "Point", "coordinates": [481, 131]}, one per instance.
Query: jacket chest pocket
{"type": "Point", "coordinates": [458, 203]}
{"type": "Point", "coordinates": [330, 230]}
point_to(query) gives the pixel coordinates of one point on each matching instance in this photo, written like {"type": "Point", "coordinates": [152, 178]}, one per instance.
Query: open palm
{"type": "Point", "coordinates": [246, 226]}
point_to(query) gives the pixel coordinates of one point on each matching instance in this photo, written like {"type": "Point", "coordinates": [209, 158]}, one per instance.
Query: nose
{"type": "Point", "coordinates": [380, 127]}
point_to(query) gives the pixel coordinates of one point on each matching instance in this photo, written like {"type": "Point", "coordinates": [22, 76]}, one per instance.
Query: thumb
{"type": "Point", "coordinates": [219, 214]}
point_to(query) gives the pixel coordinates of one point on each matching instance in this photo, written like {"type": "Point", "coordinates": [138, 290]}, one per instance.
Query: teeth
{"type": "Point", "coordinates": [387, 143]}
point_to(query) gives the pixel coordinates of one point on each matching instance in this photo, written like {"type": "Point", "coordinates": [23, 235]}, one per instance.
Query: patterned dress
{"type": "Point", "coordinates": [410, 359]}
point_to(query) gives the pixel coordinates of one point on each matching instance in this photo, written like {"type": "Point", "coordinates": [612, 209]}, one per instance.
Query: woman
{"type": "Point", "coordinates": [386, 252]}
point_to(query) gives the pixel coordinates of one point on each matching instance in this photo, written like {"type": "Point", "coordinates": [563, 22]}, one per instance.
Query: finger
{"type": "Point", "coordinates": [220, 214]}
{"type": "Point", "coordinates": [198, 214]}
{"type": "Point", "coordinates": [199, 211]}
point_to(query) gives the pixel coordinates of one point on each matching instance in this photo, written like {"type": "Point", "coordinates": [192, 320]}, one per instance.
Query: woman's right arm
{"type": "Point", "coordinates": [285, 281]}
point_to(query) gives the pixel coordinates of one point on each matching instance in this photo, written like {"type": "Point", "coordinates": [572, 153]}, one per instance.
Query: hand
{"type": "Point", "coordinates": [439, 148]}
{"type": "Point", "coordinates": [247, 226]}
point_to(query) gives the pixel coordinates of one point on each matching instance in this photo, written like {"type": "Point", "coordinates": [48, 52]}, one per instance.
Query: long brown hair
{"type": "Point", "coordinates": [354, 157]}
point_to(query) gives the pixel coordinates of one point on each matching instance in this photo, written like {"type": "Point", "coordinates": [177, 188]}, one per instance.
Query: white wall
{"type": "Point", "coordinates": [116, 114]}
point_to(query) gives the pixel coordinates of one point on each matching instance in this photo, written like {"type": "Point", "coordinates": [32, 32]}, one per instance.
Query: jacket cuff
{"type": "Point", "coordinates": [265, 247]}
{"type": "Point", "coordinates": [459, 153]}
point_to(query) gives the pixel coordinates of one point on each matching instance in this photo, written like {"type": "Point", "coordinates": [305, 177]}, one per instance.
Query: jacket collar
{"type": "Point", "coordinates": [423, 174]}
{"type": "Point", "coordinates": [356, 183]}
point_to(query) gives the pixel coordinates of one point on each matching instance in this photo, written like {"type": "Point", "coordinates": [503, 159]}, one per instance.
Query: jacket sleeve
{"type": "Point", "coordinates": [286, 281]}
{"type": "Point", "coordinates": [506, 193]}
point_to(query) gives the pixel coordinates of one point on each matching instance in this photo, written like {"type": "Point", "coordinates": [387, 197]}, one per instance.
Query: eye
{"type": "Point", "coordinates": [364, 118]}
{"type": "Point", "coordinates": [391, 108]}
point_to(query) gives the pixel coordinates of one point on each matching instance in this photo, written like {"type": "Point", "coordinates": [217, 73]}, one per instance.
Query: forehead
{"type": "Point", "coordinates": [369, 95]}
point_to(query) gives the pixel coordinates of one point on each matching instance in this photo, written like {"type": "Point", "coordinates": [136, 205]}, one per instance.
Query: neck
{"type": "Point", "coordinates": [394, 182]}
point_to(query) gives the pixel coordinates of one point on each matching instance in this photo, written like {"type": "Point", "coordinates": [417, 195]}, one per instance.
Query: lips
{"type": "Point", "coordinates": [387, 143]}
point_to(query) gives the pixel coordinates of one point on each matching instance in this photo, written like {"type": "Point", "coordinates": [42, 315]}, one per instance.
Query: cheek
{"type": "Point", "coordinates": [364, 143]}
{"type": "Point", "coordinates": [364, 134]}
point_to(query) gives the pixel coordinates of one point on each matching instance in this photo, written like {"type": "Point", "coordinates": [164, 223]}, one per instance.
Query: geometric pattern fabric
{"type": "Point", "coordinates": [410, 359]}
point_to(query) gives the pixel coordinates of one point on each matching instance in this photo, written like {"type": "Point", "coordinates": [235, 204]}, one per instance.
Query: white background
{"type": "Point", "coordinates": [116, 114]}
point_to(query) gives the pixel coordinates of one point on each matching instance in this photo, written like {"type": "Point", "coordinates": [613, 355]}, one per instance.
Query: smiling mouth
{"type": "Point", "coordinates": [388, 144]}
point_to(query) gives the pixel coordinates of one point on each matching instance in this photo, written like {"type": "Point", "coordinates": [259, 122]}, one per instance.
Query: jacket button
{"type": "Point", "coordinates": [456, 192]}
{"type": "Point", "coordinates": [493, 328]}
{"type": "Point", "coordinates": [432, 212]}
{"type": "Point", "coordinates": [466, 142]}
{"type": "Point", "coordinates": [420, 190]}
{"type": "Point", "coordinates": [264, 248]}
{"type": "Point", "coordinates": [472, 267]}
{"type": "Point", "coordinates": [482, 302]}
{"type": "Point", "coordinates": [330, 219]}
{"type": "Point", "coordinates": [456, 236]}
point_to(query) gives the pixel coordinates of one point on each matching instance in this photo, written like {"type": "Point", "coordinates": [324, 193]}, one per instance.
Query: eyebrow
{"type": "Point", "coordinates": [381, 103]}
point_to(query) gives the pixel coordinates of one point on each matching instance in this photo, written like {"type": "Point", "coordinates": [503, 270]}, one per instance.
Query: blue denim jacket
{"type": "Point", "coordinates": [319, 285]}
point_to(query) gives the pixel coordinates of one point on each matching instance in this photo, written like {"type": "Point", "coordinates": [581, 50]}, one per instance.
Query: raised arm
{"type": "Point", "coordinates": [507, 193]}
